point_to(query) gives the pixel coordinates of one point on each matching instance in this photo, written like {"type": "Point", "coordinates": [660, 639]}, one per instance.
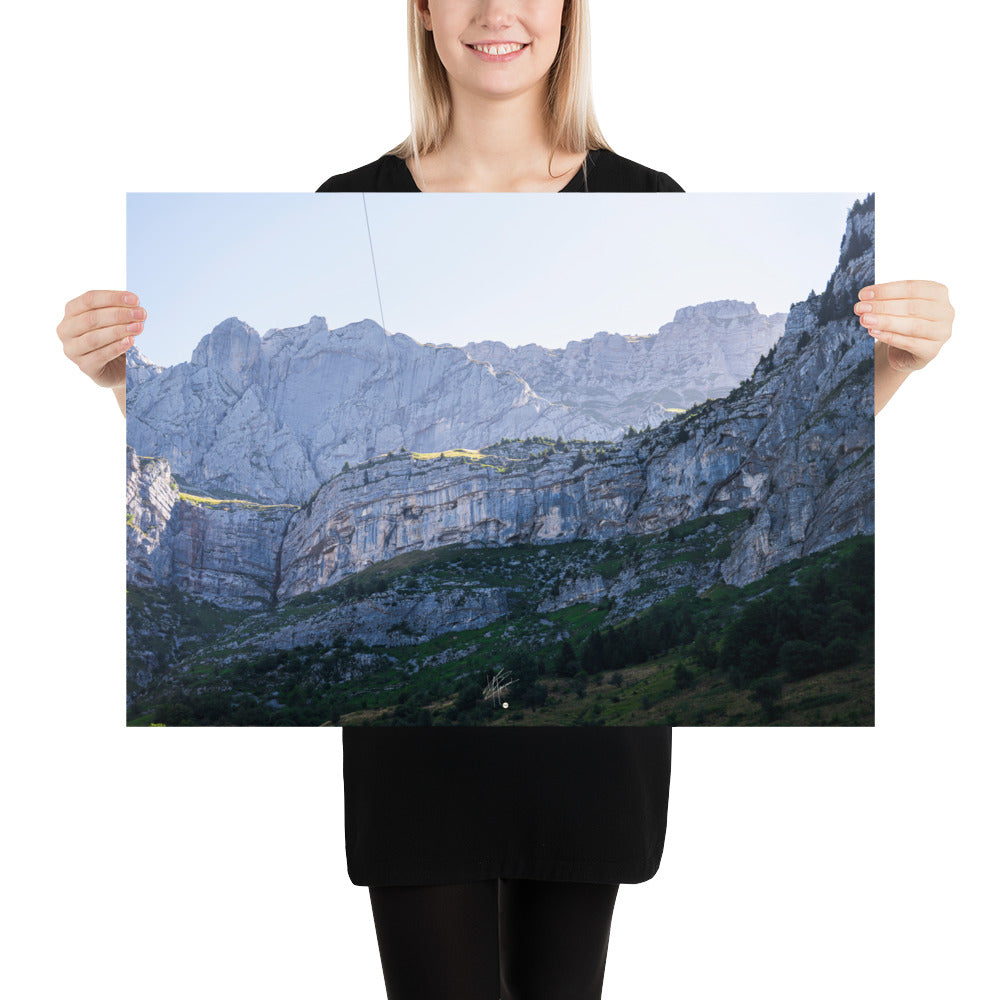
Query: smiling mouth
{"type": "Point", "coordinates": [500, 50]}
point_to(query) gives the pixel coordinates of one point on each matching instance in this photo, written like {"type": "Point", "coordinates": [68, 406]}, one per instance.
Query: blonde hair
{"type": "Point", "coordinates": [572, 123]}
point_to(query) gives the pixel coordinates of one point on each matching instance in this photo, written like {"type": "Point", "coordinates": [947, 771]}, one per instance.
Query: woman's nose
{"type": "Point", "coordinates": [496, 13]}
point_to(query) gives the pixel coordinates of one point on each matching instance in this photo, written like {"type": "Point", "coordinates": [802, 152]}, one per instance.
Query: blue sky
{"type": "Point", "coordinates": [542, 268]}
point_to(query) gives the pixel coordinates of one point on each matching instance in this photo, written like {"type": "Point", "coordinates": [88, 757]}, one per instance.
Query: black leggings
{"type": "Point", "coordinates": [515, 939]}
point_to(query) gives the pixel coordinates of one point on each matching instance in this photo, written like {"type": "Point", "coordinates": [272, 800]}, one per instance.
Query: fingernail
{"type": "Point", "coordinates": [129, 299]}
{"type": "Point", "coordinates": [863, 308]}
{"type": "Point", "coordinates": [866, 293]}
{"type": "Point", "coordinates": [134, 327]}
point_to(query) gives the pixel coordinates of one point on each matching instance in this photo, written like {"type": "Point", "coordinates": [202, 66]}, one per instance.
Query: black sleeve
{"type": "Point", "coordinates": [362, 179]}
{"type": "Point", "coordinates": [664, 182]}
{"type": "Point", "coordinates": [610, 172]}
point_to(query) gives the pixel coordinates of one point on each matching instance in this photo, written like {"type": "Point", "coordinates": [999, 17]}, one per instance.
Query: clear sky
{"type": "Point", "coordinates": [542, 268]}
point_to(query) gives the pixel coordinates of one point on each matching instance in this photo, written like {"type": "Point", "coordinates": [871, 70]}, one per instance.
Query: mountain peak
{"type": "Point", "coordinates": [232, 347]}
{"type": "Point", "coordinates": [233, 325]}
{"type": "Point", "coordinates": [720, 309]}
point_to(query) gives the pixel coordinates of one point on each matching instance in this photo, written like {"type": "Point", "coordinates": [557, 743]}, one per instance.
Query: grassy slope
{"type": "Point", "coordinates": [307, 684]}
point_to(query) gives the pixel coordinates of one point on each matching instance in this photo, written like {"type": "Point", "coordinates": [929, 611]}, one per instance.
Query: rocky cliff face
{"type": "Point", "coordinates": [272, 418]}
{"type": "Point", "coordinates": [392, 619]}
{"type": "Point", "coordinates": [503, 497]}
{"type": "Point", "coordinates": [221, 551]}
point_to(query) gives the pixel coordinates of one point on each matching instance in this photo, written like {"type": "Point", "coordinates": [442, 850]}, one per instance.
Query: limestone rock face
{"type": "Point", "coordinates": [232, 349]}
{"type": "Point", "coordinates": [150, 497]}
{"type": "Point", "coordinates": [224, 552]}
{"type": "Point", "coordinates": [392, 620]}
{"type": "Point", "coordinates": [273, 417]}
{"type": "Point", "coordinates": [704, 352]}
{"type": "Point", "coordinates": [138, 368]}
{"type": "Point", "coordinates": [412, 505]}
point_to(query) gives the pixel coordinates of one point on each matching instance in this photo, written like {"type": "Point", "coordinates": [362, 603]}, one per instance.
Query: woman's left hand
{"type": "Point", "coordinates": [912, 318]}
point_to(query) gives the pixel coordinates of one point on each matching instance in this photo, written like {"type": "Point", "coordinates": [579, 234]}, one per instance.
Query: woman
{"type": "Point", "coordinates": [494, 856]}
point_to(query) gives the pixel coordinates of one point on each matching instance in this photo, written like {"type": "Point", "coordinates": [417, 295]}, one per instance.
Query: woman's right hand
{"type": "Point", "coordinates": [97, 330]}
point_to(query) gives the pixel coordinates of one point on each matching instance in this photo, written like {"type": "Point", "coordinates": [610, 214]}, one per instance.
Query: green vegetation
{"type": "Point", "coordinates": [793, 648]}
{"type": "Point", "coordinates": [172, 624]}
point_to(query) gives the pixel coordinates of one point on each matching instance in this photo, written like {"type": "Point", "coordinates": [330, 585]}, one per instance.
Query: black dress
{"type": "Point", "coordinates": [454, 804]}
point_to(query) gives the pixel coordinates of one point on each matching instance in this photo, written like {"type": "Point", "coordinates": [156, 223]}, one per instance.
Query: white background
{"type": "Point", "coordinates": [210, 864]}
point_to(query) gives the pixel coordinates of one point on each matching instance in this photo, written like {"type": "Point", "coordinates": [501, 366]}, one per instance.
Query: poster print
{"type": "Point", "coordinates": [500, 460]}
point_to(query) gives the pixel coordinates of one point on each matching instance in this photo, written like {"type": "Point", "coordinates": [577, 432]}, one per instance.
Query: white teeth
{"type": "Point", "coordinates": [499, 50]}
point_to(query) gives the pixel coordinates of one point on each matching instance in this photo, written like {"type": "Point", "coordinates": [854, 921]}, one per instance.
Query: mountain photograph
{"type": "Point", "coordinates": [554, 524]}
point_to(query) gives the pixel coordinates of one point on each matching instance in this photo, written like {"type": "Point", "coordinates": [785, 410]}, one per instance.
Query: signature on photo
{"type": "Point", "coordinates": [497, 685]}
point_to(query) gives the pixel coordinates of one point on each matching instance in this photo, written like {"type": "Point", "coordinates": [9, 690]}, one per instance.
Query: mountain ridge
{"type": "Point", "coordinates": [307, 398]}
